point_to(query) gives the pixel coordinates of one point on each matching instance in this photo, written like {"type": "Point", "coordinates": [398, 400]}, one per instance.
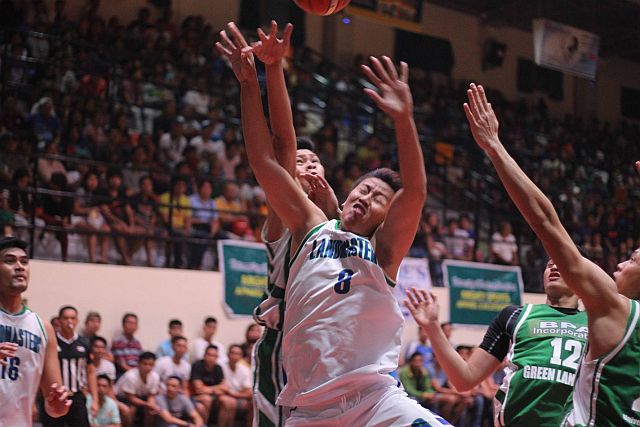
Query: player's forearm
{"type": "Point", "coordinates": [254, 128]}
{"type": "Point", "coordinates": [456, 368]}
{"type": "Point", "coordinates": [281, 117]}
{"type": "Point", "coordinates": [412, 170]}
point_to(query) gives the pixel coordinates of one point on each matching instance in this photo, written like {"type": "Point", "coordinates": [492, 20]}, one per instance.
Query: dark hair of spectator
{"type": "Point", "coordinates": [175, 377]}
{"type": "Point", "coordinates": [147, 355]}
{"type": "Point", "coordinates": [415, 354]}
{"type": "Point", "coordinates": [59, 180]}
{"type": "Point", "coordinates": [66, 307]}
{"type": "Point", "coordinates": [210, 320]}
{"type": "Point", "coordinates": [106, 378]}
{"type": "Point", "coordinates": [143, 178]}
{"type": "Point", "coordinates": [388, 176]}
{"type": "Point", "coordinates": [203, 181]}
{"type": "Point", "coordinates": [211, 346]}
{"type": "Point", "coordinates": [98, 338]}
{"type": "Point", "coordinates": [92, 315]}
{"type": "Point", "coordinates": [235, 346]}
{"type": "Point", "coordinates": [177, 338]}
{"type": "Point", "coordinates": [127, 315]}
{"type": "Point", "coordinates": [114, 171]}
{"type": "Point", "coordinates": [174, 322]}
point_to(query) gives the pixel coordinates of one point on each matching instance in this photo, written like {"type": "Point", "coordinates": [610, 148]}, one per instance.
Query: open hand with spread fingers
{"type": "Point", "coordinates": [482, 119]}
{"type": "Point", "coordinates": [395, 96]}
{"type": "Point", "coordinates": [423, 306]}
{"type": "Point", "coordinates": [321, 194]}
{"type": "Point", "coordinates": [271, 49]}
{"type": "Point", "coordinates": [233, 45]}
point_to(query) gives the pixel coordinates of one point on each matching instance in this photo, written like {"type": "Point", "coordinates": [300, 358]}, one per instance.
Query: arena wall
{"type": "Point", "coordinates": [157, 295]}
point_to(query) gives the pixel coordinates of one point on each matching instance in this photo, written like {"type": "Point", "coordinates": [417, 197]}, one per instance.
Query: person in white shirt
{"type": "Point", "coordinates": [503, 245]}
{"type": "Point", "coordinates": [138, 388]}
{"type": "Point", "coordinates": [239, 382]}
{"type": "Point", "coordinates": [206, 143]}
{"type": "Point", "coordinates": [200, 345]}
{"type": "Point", "coordinates": [98, 353]}
{"type": "Point", "coordinates": [176, 365]}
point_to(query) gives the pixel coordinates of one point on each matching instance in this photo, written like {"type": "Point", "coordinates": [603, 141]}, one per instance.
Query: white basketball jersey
{"type": "Point", "coordinates": [267, 313]}
{"type": "Point", "coordinates": [20, 377]}
{"type": "Point", "coordinates": [343, 326]}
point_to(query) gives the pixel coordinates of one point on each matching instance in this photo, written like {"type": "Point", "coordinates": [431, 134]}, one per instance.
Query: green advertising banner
{"type": "Point", "coordinates": [244, 273]}
{"type": "Point", "coordinates": [478, 291]}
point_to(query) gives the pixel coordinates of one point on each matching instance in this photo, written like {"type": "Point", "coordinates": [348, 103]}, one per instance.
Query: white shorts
{"type": "Point", "coordinates": [376, 407]}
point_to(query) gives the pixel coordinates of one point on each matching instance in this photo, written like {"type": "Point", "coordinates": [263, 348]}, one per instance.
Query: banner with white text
{"type": "Point", "coordinates": [244, 273]}
{"type": "Point", "coordinates": [479, 291]}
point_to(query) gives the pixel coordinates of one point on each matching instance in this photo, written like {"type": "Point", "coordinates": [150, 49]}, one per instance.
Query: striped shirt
{"type": "Point", "coordinates": [74, 358]}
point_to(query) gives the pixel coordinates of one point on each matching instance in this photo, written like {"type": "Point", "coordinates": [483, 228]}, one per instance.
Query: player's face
{"type": "Point", "coordinates": [627, 276]}
{"type": "Point", "coordinates": [554, 285]}
{"type": "Point", "coordinates": [68, 321]}
{"type": "Point", "coordinates": [366, 206]}
{"type": "Point", "coordinates": [308, 162]}
{"type": "Point", "coordinates": [14, 271]}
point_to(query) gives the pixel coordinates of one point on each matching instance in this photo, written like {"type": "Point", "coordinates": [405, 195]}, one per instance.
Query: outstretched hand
{"type": "Point", "coordinates": [482, 120]}
{"type": "Point", "coordinates": [234, 46]}
{"type": "Point", "coordinates": [423, 306]}
{"type": "Point", "coordinates": [395, 96]}
{"type": "Point", "coordinates": [270, 49]}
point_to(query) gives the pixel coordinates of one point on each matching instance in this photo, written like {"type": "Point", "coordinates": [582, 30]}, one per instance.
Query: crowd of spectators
{"type": "Point", "coordinates": [146, 113]}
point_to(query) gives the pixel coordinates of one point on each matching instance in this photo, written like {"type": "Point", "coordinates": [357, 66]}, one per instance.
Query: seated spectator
{"type": "Point", "coordinates": [422, 347]}
{"type": "Point", "coordinates": [416, 380]}
{"type": "Point", "coordinates": [175, 210]}
{"type": "Point", "coordinates": [47, 166]}
{"type": "Point", "coordinates": [206, 143]}
{"type": "Point", "coordinates": [126, 348]}
{"type": "Point", "coordinates": [453, 405]}
{"type": "Point", "coordinates": [87, 217]}
{"type": "Point", "coordinates": [146, 216]}
{"type": "Point", "coordinates": [459, 246]}
{"type": "Point", "coordinates": [204, 222]}
{"type": "Point", "coordinates": [251, 337]}
{"type": "Point", "coordinates": [12, 159]}
{"type": "Point", "coordinates": [174, 408]}
{"type": "Point", "coordinates": [135, 170]}
{"type": "Point", "coordinates": [230, 207]}
{"type": "Point", "coordinates": [21, 204]}
{"type": "Point", "coordinates": [166, 347]}
{"type": "Point", "coordinates": [92, 323]}
{"type": "Point", "coordinates": [210, 389]}
{"type": "Point", "coordinates": [198, 97]}
{"type": "Point", "coordinates": [56, 211]}
{"type": "Point", "coordinates": [44, 123]}
{"type": "Point", "coordinates": [503, 245]}
{"type": "Point", "coordinates": [239, 381]}
{"type": "Point", "coordinates": [209, 329]}
{"type": "Point", "coordinates": [231, 157]}
{"type": "Point", "coordinates": [176, 365]}
{"type": "Point", "coordinates": [172, 143]}
{"type": "Point", "coordinates": [138, 388]}
{"type": "Point", "coordinates": [108, 413]}
{"type": "Point", "coordinates": [98, 358]}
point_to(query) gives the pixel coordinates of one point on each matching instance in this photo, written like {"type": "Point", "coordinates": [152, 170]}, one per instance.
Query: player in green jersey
{"type": "Point", "coordinates": [607, 389]}
{"type": "Point", "coordinates": [542, 345]}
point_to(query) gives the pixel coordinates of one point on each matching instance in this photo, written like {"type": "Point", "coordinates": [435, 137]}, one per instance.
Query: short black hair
{"type": "Point", "coordinates": [13, 242]}
{"type": "Point", "coordinates": [98, 338]}
{"type": "Point", "coordinates": [210, 319]}
{"type": "Point", "coordinates": [209, 347]}
{"type": "Point", "coordinates": [235, 346]}
{"type": "Point", "coordinates": [177, 338]}
{"type": "Point", "coordinates": [127, 315]}
{"type": "Point", "coordinates": [104, 377]}
{"type": "Point", "coordinates": [386, 175]}
{"type": "Point", "coordinates": [147, 355]}
{"type": "Point", "coordinates": [66, 307]}
{"type": "Point", "coordinates": [305, 143]}
{"type": "Point", "coordinates": [174, 322]}
{"type": "Point", "coordinates": [174, 377]}
{"type": "Point", "coordinates": [415, 354]}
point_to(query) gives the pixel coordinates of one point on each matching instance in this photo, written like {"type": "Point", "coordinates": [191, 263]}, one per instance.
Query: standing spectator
{"type": "Point", "coordinates": [209, 387]}
{"type": "Point", "coordinates": [99, 352]}
{"type": "Point", "coordinates": [57, 209]}
{"type": "Point", "coordinates": [78, 373]}
{"type": "Point", "coordinates": [503, 245]}
{"type": "Point", "coordinates": [176, 365]}
{"type": "Point", "coordinates": [126, 348]}
{"type": "Point", "coordinates": [204, 221]}
{"type": "Point", "coordinates": [209, 329]}
{"type": "Point", "coordinates": [138, 388]}
{"type": "Point", "coordinates": [175, 409]}
{"type": "Point", "coordinates": [175, 210]}
{"type": "Point", "coordinates": [230, 207]}
{"type": "Point", "coordinates": [166, 347]}
{"type": "Point", "coordinates": [108, 414]}
{"type": "Point", "coordinates": [239, 381]}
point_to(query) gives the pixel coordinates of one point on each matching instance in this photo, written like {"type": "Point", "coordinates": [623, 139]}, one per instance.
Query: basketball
{"type": "Point", "coordinates": [322, 7]}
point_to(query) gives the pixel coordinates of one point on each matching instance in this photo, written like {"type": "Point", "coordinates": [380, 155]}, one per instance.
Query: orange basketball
{"type": "Point", "coordinates": [322, 7]}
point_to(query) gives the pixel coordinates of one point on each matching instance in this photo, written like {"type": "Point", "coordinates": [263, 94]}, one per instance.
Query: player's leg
{"type": "Point", "coordinates": [394, 408]}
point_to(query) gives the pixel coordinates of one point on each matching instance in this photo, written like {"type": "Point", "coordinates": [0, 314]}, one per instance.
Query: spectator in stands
{"type": "Point", "coordinates": [56, 211]}
{"type": "Point", "coordinates": [175, 211]}
{"type": "Point", "coordinates": [206, 143]}
{"type": "Point", "coordinates": [204, 221]}
{"type": "Point", "coordinates": [422, 347]}
{"type": "Point", "coordinates": [209, 388]}
{"type": "Point", "coordinates": [175, 365]}
{"type": "Point", "coordinates": [48, 166]}
{"type": "Point", "coordinates": [232, 155]}
{"type": "Point", "coordinates": [209, 329]}
{"type": "Point", "coordinates": [191, 124]}
{"type": "Point", "coordinates": [231, 209]}
{"type": "Point", "coordinates": [416, 380]}
{"type": "Point", "coordinates": [99, 359]}
{"type": "Point", "coordinates": [43, 122]}
{"type": "Point", "coordinates": [92, 323]}
{"type": "Point", "coordinates": [163, 123]}
{"type": "Point", "coordinates": [251, 337]}
{"type": "Point", "coordinates": [172, 143]}
{"type": "Point", "coordinates": [146, 215]}
{"type": "Point", "coordinates": [87, 217]}
{"type": "Point", "coordinates": [136, 169]}
{"type": "Point", "coordinates": [126, 348]}
{"type": "Point", "coordinates": [138, 389]}
{"type": "Point", "coordinates": [12, 118]}
{"type": "Point", "coordinates": [454, 404]}
{"type": "Point", "coordinates": [239, 382]}
{"type": "Point", "coordinates": [166, 347]}
{"type": "Point", "coordinates": [457, 241]}
{"type": "Point", "coordinates": [436, 248]}
{"type": "Point", "coordinates": [21, 204]}
{"type": "Point", "coordinates": [503, 245]}
{"type": "Point", "coordinates": [198, 97]}
{"type": "Point", "coordinates": [12, 158]}
{"type": "Point", "coordinates": [174, 408]}
{"type": "Point", "coordinates": [108, 413]}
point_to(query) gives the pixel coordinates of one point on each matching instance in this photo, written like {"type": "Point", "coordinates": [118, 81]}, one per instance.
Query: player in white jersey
{"type": "Point", "coordinates": [341, 314]}
{"type": "Point", "coordinates": [28, 346]}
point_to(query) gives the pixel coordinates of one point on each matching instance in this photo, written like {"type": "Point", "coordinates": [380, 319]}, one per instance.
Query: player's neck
{"type": "Point", "coordinates": [562, 301]}
{"type": "Point", "coordinates": [11, 304]}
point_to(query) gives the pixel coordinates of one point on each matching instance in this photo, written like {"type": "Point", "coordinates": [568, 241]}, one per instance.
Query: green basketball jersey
{"type": "Point", "coordinates": [546, 350]}
{"type": "Point", "coordinates": [607, 391]}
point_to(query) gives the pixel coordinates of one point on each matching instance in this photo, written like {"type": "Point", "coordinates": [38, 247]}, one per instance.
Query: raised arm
{"type": "Point", "coordinates": [597, 290]}
{"type": "Point", "coordinates": [396, 234]}
{"type": "Point", "coordinates": [463, 375]}
{"type": "Point", "coordinates": [284, 195]}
